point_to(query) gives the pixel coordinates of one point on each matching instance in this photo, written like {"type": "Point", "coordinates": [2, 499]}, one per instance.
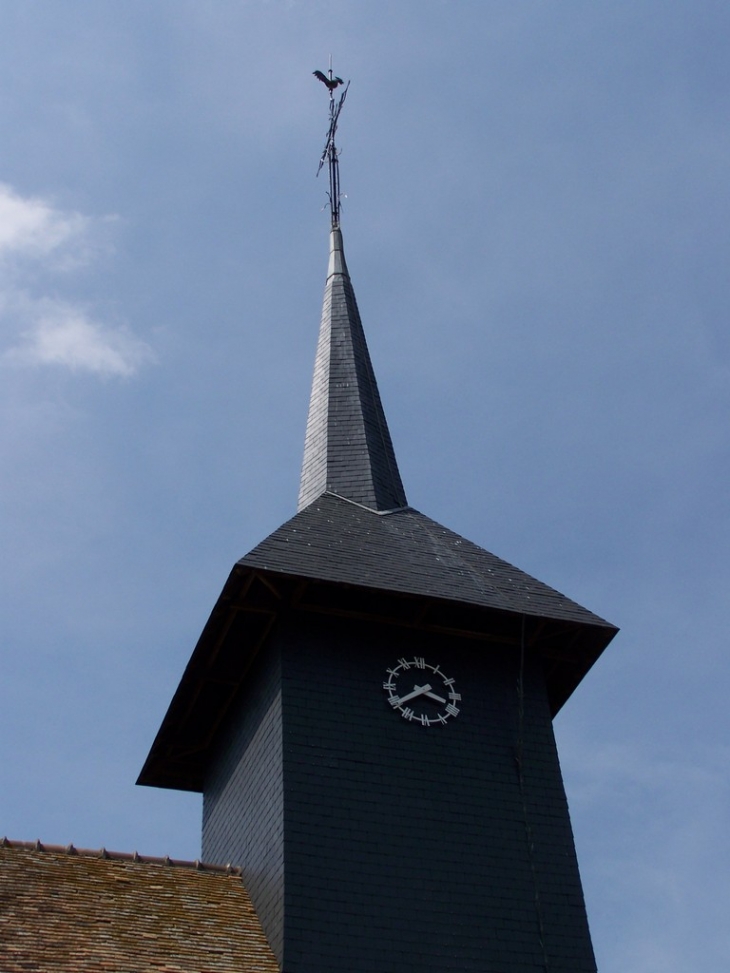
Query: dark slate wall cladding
{"type": "Point", "coordinates": [408, 848]}
{"type": "Point", "coordinates": [243, 796]}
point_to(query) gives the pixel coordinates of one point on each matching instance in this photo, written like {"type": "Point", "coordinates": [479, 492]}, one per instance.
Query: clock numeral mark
{"type": "Point", "coordinates": [442, 718]}
{"type": "Point", "coordinates": [408, 713]}
{"type": "Point", "coordinates": [451, 709]}
{"type": "Point", "coordinates": [449, 682]}
{"type": "Point", "coordinates": [454, 696]}
{"type": "Point", "coordinates": [419, 663]}
{"type": "Point", "coordinates": [404, 663]}
{"type": "Point", "coordinates": [388, 685]}
{"type": "Point", "coordinates": [394, 701]}
{"type": "Point", "coordinates": [425, 720]}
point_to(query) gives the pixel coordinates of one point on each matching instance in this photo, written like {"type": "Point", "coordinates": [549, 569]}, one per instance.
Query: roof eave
{"type": "Point", "coordinates": [246, 612]}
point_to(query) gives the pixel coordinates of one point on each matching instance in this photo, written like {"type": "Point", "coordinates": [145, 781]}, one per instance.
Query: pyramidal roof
{"type": "Point", "coordinates": [348, 449]}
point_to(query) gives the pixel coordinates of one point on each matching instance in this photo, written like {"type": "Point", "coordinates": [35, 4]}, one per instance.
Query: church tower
{"type": "Point", "coordinates": [368, 714]}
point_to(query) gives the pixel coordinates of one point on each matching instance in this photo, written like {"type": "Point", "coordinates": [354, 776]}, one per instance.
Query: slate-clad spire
{"type": "Point", "coordinates": [348, 450]}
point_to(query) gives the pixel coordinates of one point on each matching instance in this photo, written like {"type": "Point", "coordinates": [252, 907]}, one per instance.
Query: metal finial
{"type": "Point", "coordinates": [330, 152]}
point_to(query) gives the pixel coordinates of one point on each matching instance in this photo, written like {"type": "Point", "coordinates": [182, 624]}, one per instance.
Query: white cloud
{"type": "Point", "coordinates": [31, 227]}
{"type": "Point", "coordinates": [37, 240]}
{"type": "Point", "coordinates": [64, 335]}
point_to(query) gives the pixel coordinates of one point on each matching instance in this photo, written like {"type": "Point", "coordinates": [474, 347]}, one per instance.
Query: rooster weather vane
{"type": "Point", "coordinates": [330, 153]}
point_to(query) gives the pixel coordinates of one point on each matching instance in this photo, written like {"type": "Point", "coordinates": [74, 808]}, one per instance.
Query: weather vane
{"type": "Point", "coordinates": [330, 152]}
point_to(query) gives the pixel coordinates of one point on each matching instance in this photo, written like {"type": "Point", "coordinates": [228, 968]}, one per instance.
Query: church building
{"type": "Point", "coordinates": [368, 716]}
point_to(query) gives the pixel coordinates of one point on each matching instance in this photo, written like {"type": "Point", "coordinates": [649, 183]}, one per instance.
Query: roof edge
{"type": "Point", "coordinates": [121, 856]}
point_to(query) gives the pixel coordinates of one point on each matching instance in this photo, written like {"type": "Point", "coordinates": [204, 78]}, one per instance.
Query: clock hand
{"type": "Point", "coordinates": [431, 695]}
{"type": "Point", "coordinates": [417, 691]}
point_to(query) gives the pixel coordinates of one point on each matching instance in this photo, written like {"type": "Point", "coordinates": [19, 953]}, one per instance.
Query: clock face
{"type": "Point", "coordinates": [421, 693]}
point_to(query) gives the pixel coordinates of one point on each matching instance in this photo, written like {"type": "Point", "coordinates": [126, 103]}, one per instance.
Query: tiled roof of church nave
{"type": "Point", "coordinates": [66, 909]}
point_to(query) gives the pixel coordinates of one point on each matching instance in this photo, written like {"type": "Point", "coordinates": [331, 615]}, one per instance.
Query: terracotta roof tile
{"type": "Point", "coordinates": [64, 910]}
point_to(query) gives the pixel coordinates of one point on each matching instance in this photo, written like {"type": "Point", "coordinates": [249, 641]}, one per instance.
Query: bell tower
{"type": "Point", "coordinates": [368, 713]}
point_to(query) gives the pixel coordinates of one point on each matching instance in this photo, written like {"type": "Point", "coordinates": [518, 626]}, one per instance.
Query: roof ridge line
{"type": "Point", "coordinates": [364, 506]}
{"type": "Point", "coordinates": [122, 856]}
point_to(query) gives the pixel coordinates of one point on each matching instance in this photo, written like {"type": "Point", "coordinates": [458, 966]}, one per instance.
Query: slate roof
{"type": "Point", "coordinates": [82, 912]}
{"type": "Point", "coordinates": [349, 456]}
{"type": "Point", "coordinates": [403, 550]}
{"type": "Point", "coordinates": [348, 449]}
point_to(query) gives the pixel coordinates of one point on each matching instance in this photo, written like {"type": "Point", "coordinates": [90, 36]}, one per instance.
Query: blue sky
{"type": "Point", "coordinates": [537, 226]}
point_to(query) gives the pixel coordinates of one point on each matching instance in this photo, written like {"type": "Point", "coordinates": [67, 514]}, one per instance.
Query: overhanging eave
{"type": "Point", "coordinates": [253, 600]}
